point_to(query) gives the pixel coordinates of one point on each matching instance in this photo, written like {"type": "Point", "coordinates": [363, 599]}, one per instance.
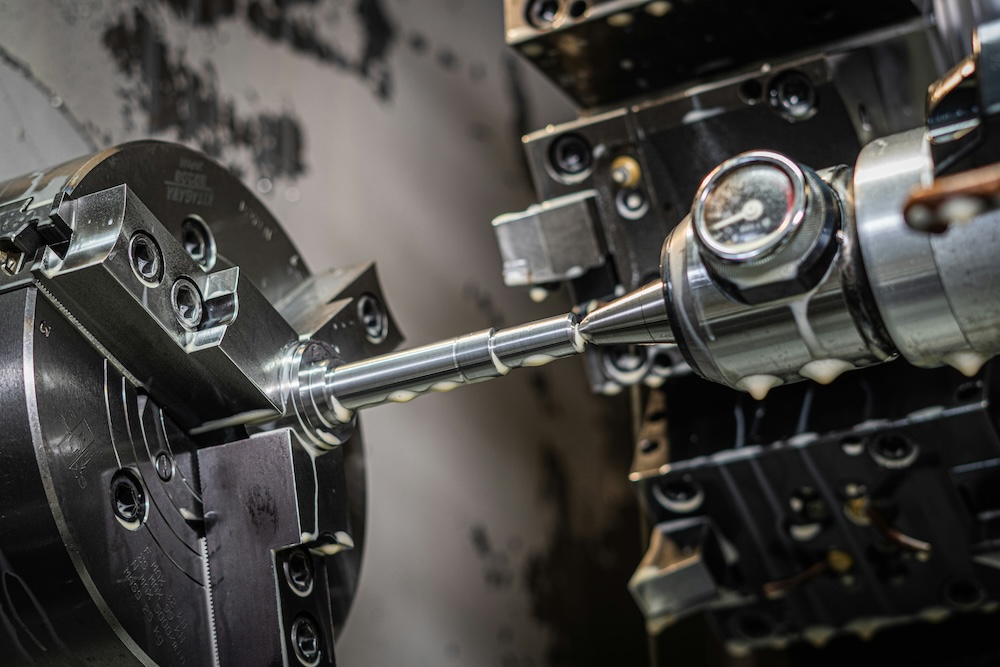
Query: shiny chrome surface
{"type": "Point", "coordinates": [930, 289]}
{"type": "Point", "coordinates": [887, 287]}
{"type": "Point", "coordinates": [244, 231]}
{"type": "Point", "coordinates": [638, 318]}
{"type": "Point", "coordinates": [899, 260]}
{"type": "Point", "coordinates": [752, 347]}
{"type": "Point", "coordinates": [755, 348]}
{"type": "Point", "coordinates": [402, 376]}
{"type": "Point", "coordinates": [550, 242]}
{"type": "Point", "coordinates": [217, 348]}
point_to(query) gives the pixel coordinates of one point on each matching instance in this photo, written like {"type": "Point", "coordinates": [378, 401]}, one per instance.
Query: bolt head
{"type": "Point", "coordinates": [164, 467]}
{"type": "Point", "coordinates": [128, 498]}
{"type": "Point", "coordinates": [306, 641]}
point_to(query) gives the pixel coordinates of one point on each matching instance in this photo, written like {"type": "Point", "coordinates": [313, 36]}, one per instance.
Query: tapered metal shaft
{"type": "Point", "coordinates": [638, 318]}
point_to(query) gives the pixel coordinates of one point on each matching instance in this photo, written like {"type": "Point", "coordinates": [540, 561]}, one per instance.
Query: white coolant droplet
{"type": "Point", "coordinates": [965, 362]}
{"type": "Point", "coordinates": [758, 385]}
{"type": "Point", "coordinates": [825, 371]}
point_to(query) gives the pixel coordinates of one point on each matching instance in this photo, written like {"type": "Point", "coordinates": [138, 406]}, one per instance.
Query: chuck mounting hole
{"type": "Point", "coordinates": [792, 95]}
{"type": "Point", "coordinates": [570, 158]}
{"type": "Point", "coordinates": [128, 498]}
{"type": "Point", "coordinates": [680, 494]}
{"type": "Point", "coordinates": [187, 303]}
{"type": "Point", "coordinates": [373, 318]}
{"type": "Point", "coordinates": [145, 258]}
{"type": "Point", "coordinates": [964, 593]}
{"type": "Point", "coordinates": [541, 13]}
{"type": "Point", "coordinates": [306, 640]}
{"type": "Point", "coordinates": [624, 364]}
{"type": "Point", "coordinates": [299, 572]}
{"type": "Point", "coordinates": [198, 241]}
{"type": "Point", "coordinates": [631, 203]}
{"type": "Point", "coordinates": [751, 91]}
{"type": "Point", "coordinates": [967, 391]}
{"type": "Point", "coordinates": [894, 451]}
{"type": "Point", "coordinates": [662, 362]}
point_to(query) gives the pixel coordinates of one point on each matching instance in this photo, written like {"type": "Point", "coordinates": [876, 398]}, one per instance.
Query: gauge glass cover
{"type": "Point", "coordinates": [750, 205]}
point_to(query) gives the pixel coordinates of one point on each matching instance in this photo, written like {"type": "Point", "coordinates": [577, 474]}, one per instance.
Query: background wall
{"type": "Point", "coordinates": [501, 530]}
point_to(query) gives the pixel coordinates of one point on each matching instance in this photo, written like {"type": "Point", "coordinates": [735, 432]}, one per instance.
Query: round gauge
{"type": "Point", "coordinates": [750, 205]}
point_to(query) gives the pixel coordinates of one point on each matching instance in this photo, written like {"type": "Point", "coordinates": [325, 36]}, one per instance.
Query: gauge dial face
{"type": "Point", "coordinates": [750, 205]}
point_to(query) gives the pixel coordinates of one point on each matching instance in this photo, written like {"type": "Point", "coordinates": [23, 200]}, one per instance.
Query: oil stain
{"type": "Point", "coordinates": [263, 509]}
{"type": "Point", "coordinates": [418, 43]}
{"type": "Point", "coordinates": [496, 569]}
{"type": "Point", "coordinates": [272, 19]}
{"type": "Point", "coordinates": [178, 96]}
{"type": "Point", "coordinates": [483, 302]}
{"type": "Point", "coordinates": [85, 131]}
{"type": "Point", "coordinates": [544, 396]}
{"type": "Point", "coordinates": [578, 587]}
{"type": "Point", "coordinates": [202, 13]}
{"type": "Point", "coordinates": [448, 59]}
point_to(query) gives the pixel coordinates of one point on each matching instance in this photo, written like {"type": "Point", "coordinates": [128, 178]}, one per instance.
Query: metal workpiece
{"type": "Point", "coordinates": [306, 401]}
{"type": "Point", "coordinates": [933, 291]}
{"type": "Point", "coordinates": [402, 376]}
